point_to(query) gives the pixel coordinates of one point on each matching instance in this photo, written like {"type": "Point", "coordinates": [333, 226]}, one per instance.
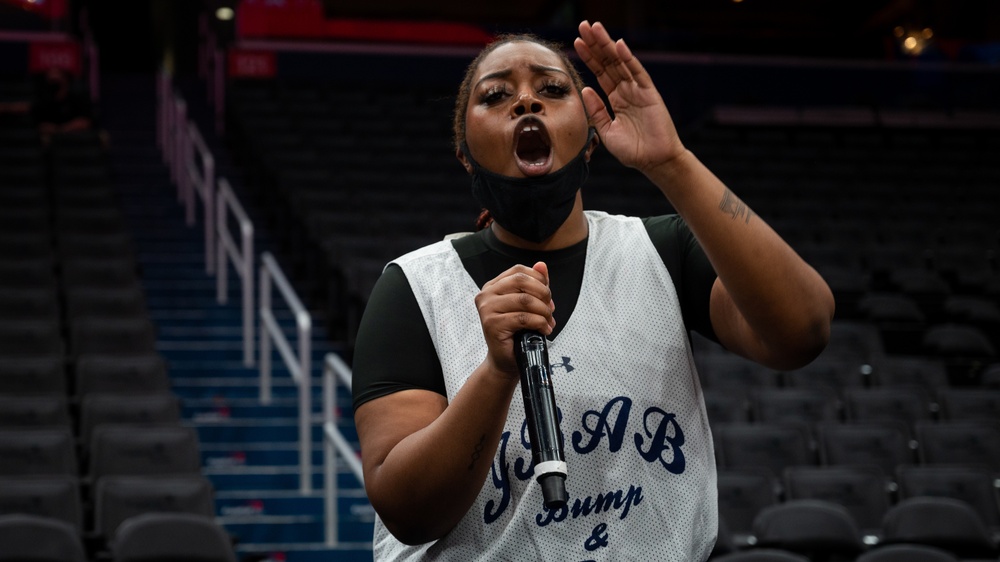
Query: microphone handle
{"type": "Point", "coordinates": [532, 354]}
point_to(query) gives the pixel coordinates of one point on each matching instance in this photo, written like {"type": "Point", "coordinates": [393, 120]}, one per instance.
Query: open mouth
{"type": "Point", "coordinates": [532, 148]}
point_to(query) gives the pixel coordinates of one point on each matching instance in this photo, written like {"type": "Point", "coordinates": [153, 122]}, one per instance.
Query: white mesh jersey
{"type": "Point", "coordinates": [641, 468]}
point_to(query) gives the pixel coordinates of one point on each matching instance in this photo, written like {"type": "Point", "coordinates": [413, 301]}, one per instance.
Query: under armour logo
{"type": "Point", "coordinates": [565, 365]}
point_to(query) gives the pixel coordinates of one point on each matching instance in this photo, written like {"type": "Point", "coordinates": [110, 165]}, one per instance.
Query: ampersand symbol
{"type": "Point", "coordinates": [598, 538]}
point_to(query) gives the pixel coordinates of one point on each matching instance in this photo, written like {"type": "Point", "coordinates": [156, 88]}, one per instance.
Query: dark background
{"type": "Point", "coordinates": [133, 35]}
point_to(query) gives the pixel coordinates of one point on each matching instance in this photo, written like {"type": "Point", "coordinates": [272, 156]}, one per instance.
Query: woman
{"type": "Point", "coordinates": [444, 446]}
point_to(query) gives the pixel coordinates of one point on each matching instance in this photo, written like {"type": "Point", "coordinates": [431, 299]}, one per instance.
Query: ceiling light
{"type": "Point", "coordinates": [913, 45]}
{"type": "Point", "coordinates": [224, 13]}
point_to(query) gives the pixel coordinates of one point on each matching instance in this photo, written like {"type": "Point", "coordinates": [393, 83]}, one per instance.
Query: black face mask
{"type": "Point", "coordinates": [532, 208]}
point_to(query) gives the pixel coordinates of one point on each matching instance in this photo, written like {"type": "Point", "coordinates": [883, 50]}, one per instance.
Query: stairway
{"type": "Point", "coordinates": [249, 450]}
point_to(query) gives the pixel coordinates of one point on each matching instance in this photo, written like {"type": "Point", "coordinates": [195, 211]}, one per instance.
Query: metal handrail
{"type": "Point", "coordinates": [199, 164]}
{"type": "Point", "coordinates": [334, 442]}
{"type": "Point", "coordinates": [163, 112]}
{"type": "Point", "coordinates": [241, 256]}
{"type": "Point", "coordinates": [299, 367]}
{"type": "Point", "coordinates": [178, 123]}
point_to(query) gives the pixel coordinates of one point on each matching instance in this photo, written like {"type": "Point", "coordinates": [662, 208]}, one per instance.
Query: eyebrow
{"type": "Point", "coordinates": [537, 68]}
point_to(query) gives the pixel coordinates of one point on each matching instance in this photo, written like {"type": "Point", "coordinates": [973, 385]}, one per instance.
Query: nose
{"type": "Point", "coordinates": [524, 104]}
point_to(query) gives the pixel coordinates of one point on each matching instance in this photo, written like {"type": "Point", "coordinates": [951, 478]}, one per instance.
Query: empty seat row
{"type": "Point", "coordinates": [133, 448]}
{"type": "Point", "coordinates": [148, 536]}
{"type": "Point", "coordinates": [777, 446]}
{"type": "Point", "coordinates": [88, 335]}
{"type": "Point", "coordinates": [917, 529]}
{"type": "Point", "coordinates": [144, 373]}
{"type": "Point", "coordinates": [815, 404]}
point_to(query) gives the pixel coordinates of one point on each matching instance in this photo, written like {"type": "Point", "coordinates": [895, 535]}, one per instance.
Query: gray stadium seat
{"type": "Point", "coordinates": [124, 450]}
{"type": "Point", "coordinates": [770, 446]}
{"type": "Point", "coordinates": [122, 302]}
{"type": "Point", "coordinates": [134, 374]}
{"type": "Point", "coordinates": [118, 498]}
{"type": "Point", "coordinates": [36, 338]}
{"type": "Point", "coordinates": [972, 484]}
{"type": "Point", "coordinates": [970, 404]}
{"type": "Point", "coordinates": [905, 404]}
{"type": "Point", "coordinates": [39, 303]}
{"type": "Point", "coordinates": [884, 445]}
{"type": "Point", "coordinates": [56, 497]}
{"type": "Point", "coordinates": [122, 408]}
{"type": "Point", "coordinates": [726, 406]}
{"type": "Point", "coordinates": [34, 411]}
{"type": "Point", "coordinates": [960, 442]}
{"type": "Point", "coordinates": [859, 489]}
{"type": "Point", "coordinates": [820, 530]}
{"type": "Point", "coordinates": [179, 537]}
{"type": "Point", "coordinates": [805, 405]}
{"type": "Point", "coordinates": [101, 272]}
{"type": "Point", "coordinates": [742, 495]}
{"type": "Point", "coordinates": [39, 539]}
{"type": "Point", "coordinates": [33, 376]}
{"type": "Point", "coordinates": [907, 553]}
{"type": "Point", "coordinates": [112, 336]}
{"type": "Point", "coordinates": [945, 523]}
{"type": "Point", "coordinates": [37, 451]}
{"type": "Point", "coordinates": [762, 555]}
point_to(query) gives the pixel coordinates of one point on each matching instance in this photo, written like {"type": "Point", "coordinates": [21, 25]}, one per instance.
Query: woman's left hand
{"type": "Point", "coordinates": [642, 134]}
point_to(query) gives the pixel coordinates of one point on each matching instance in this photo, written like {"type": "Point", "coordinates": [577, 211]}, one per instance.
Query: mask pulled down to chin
{"type": "Point", "coordinates": [531, 208]}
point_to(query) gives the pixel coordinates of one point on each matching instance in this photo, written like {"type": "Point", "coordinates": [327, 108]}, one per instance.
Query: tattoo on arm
{"type": "Point", "coordinates": [477, 452]}
{"type": "Point", "coordinates": [732, 206]}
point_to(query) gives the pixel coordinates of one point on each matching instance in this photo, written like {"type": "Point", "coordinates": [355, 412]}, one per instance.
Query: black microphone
{"type": "Point", "coordinates": [532, 355]}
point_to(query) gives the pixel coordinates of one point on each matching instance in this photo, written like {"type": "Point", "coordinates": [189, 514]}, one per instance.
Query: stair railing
{"type": "Point", "coordinates": [299, 367]}
{"type": "Point", "coordinates": [199, 167]}
{"type": "Point", "coordinates": [334, 442]}
{"type": "Point", "coordinates": [241, 256]}
{"type": "Point", "coordinates": [178, 124]}
{"type": "Point", "coordinates": [191, 163]}
{"type": "Point", "coordinates": [171, 120]}
{"type": "Point", "coordinates": [164, 115]}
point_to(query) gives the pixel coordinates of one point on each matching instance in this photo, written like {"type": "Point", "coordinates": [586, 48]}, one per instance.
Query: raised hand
{"type": "Point", "coordinates": [641, 134]}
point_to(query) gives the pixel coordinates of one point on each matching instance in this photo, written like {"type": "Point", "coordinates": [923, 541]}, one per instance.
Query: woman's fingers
{"type": "Point", "coordinates": [519, 277]}
{"type": "Point", "coordinates": [635, 68]}
{"type": "Point", "coordinates": [583, 50]}
{"type": "Point", "coordinates": [611, 61]}
{"type": "Point", "coordinates": [518, 298]}
{"type": "Point", "coordinates": [601, 55]}
{"type": "Point", "coordinates": [598, 112]}
{"type": "Point", "coordinates": [607, 51]}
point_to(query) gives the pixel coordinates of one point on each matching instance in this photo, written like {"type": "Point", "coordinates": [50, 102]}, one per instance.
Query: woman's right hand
{"type": "Point", "coordinates": [517, 299]}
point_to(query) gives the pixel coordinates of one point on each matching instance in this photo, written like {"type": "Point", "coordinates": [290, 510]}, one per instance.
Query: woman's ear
{"type": "Point", "coordinates": [592, 145]}
{"type": "Point", "coordinates": [464, 160]}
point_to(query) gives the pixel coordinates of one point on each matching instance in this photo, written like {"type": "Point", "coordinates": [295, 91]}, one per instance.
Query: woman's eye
{"type": "Point", "coordinates": [492, 95]}
{"type": "Point", "coordinates": [555, 89]}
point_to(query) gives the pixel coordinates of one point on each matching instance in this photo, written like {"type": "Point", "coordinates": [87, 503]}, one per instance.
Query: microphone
{"type": "Point", "coordinates": [532, 355]}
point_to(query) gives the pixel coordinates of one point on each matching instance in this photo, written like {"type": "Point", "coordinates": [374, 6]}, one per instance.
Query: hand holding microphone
{"type": "Point", "coordinates": [515, 301]}
{"type": "Point", "coordinates": [532, 355]}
